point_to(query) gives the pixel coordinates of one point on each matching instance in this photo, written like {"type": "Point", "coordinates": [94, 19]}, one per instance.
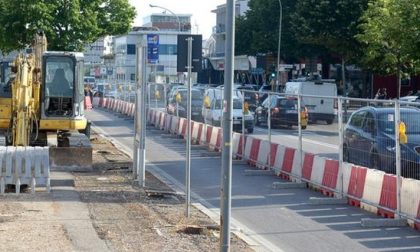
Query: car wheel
{"type": "Point", "coordinates": [329, 121]}
{"type": "Point", "coordinates": [375, 162]}
{"type": "Point", "coordinates": [250, 130]}
{"type": "Point", "coordinates": [346, 156]}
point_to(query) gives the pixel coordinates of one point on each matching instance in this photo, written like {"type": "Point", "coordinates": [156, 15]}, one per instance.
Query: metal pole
{"type": "Point", "coordinates": [142, 147]}
{"type": "Point", "coordinates": [243, 122]}
{"type": "Point", "coordinates": [269, 127]}
{"type": "Point", "coordinates": [278, 48]}
{"type": "Point", "coordinates": [398, 157]}
{"type": "Point", "coordinates": [188, 151]}
{"type": "Point", "coordinates": [341, 142]}
{"type": "Point", "coordinates": [156, 95]}
{"type": "Point", "coordinates": [343, 77]}
{"type": "Point", "coordinates": [299, 109]}
{"type": "Point", "coordinates": [226, 190]}
{"type": "Point", "coordinates": [148, 97]}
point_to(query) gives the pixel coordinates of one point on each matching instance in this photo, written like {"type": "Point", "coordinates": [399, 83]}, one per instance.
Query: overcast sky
{"type": "Point", "coordinates": [202, 18]}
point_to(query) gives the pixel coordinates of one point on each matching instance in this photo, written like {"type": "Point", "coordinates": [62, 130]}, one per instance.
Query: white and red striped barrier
{"type": "Point", "coordinates": [369, 189]}
{"type": "Point", "coordinates": [215, 139]}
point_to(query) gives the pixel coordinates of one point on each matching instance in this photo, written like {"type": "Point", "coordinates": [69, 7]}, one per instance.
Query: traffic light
{"type": "Point", "coordinates": [273, 72]}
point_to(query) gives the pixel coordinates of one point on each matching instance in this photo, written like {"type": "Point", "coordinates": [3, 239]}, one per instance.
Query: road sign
{"type": "Point", "coordinates": [183, 52]}
{"type": "Point", "coordinates": [152, 48]}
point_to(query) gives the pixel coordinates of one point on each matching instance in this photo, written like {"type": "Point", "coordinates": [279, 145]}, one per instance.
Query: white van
{"type": "Point", "coordinates": [212, 110]}
{"type": "Point", "coordinates": [323, 109]}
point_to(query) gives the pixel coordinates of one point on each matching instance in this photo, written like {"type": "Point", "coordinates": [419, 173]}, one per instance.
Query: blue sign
{"type": "Point", "coordinates": [152, 48]}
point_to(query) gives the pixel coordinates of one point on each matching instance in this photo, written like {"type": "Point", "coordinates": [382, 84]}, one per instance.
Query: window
{"type": "Point", "coordinates": [167, 49]}
{"type": "Point", "coordinates": [369, 124]}
{"type": "Point", "coordinates": [133, 77]}
{"type": "Point", "coordinates": [59, 79]}
{"type": "Point", "coordinates": [357, 119]}
{"type": "Point", "coordinates": [131, 49]}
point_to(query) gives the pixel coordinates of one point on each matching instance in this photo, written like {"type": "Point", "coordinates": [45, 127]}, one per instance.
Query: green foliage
{"type": "Point", "coordinates": [258, 30]}
{"type": "Point", "coordinates": [330, 24]}
{"type": "Point", "coordinates": [68, 24]}
{"type": "Point", "coordinates": [391, 34]}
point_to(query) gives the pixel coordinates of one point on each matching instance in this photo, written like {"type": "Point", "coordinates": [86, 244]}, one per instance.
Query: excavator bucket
{"type": "Point", "coordinates": [24, 166]}
{"type": "Point", "coordinates": [71, 158]}
{"type": "Point", "coordinates": [74, 155]}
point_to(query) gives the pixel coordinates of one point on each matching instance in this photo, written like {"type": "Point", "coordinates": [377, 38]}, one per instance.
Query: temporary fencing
{"type": "Point", "coordinates": [332, 169]}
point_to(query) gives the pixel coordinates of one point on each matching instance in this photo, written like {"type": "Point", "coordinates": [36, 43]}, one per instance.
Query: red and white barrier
{"type": "Point", "coordinates": [88, 103]}
{"type": "Point", "coordinates": [197, 128]}
{"type": "Point", "coordinates": [388, 196]}
{"type": "Point", "coordinates": [215, 139]}
{"type": "Point", "coordinates": [410, 200]}
{"type": "Point", "coordinates": [174, 125]}
{"type": "Point", "coordinates": [237, 140]}
{"type": "Point", "coordinates": [95, 101]}
{"type": "Point", "coordinates": [372, 190]}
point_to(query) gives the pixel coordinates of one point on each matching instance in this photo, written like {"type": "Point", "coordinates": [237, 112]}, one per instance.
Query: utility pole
{"type": "Point", "coordinates": [226, 190]}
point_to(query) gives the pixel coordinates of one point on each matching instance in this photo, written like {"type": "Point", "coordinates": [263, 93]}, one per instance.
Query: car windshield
{"type": "Point", "coordinates": [411, 120]}
{"type": "Point", "coordinates": [196, 95]}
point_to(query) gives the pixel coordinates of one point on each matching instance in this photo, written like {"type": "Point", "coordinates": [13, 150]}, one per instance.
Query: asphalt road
{"type": "Point", "coordinates": [279, 220]}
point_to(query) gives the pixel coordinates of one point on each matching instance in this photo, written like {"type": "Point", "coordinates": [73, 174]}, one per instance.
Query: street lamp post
{"type": "Point", "coordinates": [278, 48]}
{"type": "Point", "coordinates": [177, 18]}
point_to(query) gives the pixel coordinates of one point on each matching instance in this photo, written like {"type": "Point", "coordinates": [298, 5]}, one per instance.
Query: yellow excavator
{"type": "Point", "coordinates": [42, 104]}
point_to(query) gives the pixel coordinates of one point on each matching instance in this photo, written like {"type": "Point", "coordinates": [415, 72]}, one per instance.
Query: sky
{"type": "Point", "coordinates": [202, 18]}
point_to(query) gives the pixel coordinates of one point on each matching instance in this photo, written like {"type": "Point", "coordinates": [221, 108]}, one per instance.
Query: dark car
{"type": "Point", "coordinates": [250, 93]}
{"type": "Point", "coordinates": [180, 107]}
{"type": "Point", "coordinates": [369, 140]}
{"type": "Point", "coordinates": [284, 111]}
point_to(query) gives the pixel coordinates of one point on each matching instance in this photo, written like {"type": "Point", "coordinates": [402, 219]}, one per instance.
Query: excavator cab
{"type": "Point", "coordinates": [62, 95]}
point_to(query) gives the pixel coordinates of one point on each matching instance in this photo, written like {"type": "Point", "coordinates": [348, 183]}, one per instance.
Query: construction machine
{"type": "Point", "coordinates": [43, 105]}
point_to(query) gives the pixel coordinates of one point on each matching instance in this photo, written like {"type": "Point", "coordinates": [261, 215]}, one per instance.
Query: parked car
{"type": "Point", "coordinates": [411, 98]}
{"type": "Point", "coordinates": [369, 140]}
{"type": "Point", "coordinates": [250, 94]}
{"type": "Point", "coordinates": [181, 104]}
{"type": "Point", "coordinates": [284, 111]}
{"type": "Point", "coordinates": [214, 114]}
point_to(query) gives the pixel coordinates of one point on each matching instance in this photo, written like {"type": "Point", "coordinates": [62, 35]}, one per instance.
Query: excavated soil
{"type": "Point", "coordinates": [125, 216]}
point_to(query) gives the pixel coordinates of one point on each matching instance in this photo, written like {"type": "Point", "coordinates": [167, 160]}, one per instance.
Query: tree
{"type": "Point", "coordinates": [390, 32]}
{"type": "Point", "coordinates": [257, 31]}
{"type": "Point", "coordinates": [330, 24]}
{"type": "Point", "coordinates": [68, 24]}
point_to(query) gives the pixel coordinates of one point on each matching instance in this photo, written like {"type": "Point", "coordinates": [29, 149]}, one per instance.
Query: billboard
{"type": "Point", "coordinates": [152, 48]}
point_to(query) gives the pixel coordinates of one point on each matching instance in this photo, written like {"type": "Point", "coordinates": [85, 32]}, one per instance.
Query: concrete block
{"type": "Point", "coordinates": [327, 201]}
{"type": "Point", "coordinates": [288, 185]}
{"type": "Point", "coordinates": [377, 223]}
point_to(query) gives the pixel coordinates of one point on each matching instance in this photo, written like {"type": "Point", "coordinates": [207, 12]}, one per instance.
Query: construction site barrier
{"type": "Point", "coordinates": [24, 166]}
{"type": "Point", "coordinates": [369, 189]}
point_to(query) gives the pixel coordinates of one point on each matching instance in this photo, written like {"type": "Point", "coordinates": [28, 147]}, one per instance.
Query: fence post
{"type": "Point", "coordinates": [340, 142]}
{"type": "Point", "coordinates": [398, 157]}
{"type": "Point", "coordinates": [300, 148]}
